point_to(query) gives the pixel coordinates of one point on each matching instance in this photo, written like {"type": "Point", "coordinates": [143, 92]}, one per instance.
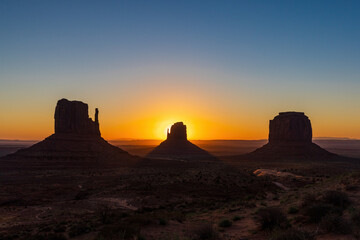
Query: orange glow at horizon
{"type": "Point", "coordinates": [147, 112]}
{"type": "Point", "coordinates": [155, 127]}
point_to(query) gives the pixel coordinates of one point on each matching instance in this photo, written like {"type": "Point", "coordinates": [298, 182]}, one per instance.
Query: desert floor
{"type": "Point", "coordinates": [230, 198]}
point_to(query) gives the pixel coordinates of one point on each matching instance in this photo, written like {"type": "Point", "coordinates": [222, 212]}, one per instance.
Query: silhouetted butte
{"type": "Point", "coordinates": [290, 137]}
{"type": "Point", "coordinates": [176, 146]}
{"type": "Point", "coordinates": [76, 142]}
{"type": "Point", "coordinates": [71, 117]}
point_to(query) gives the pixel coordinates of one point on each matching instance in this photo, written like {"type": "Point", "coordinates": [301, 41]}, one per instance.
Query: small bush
{"type": "Point", "coordinates": [8, 237]}
{"type": "Point", "coordinates": [337, 198]}
{"type": "Point", "coordinates": [225, 223]}
{"type": "Point", "coordinates": [335, 224]}
{"type": "Point", "coordinates": [291, 234]}
{"type": "Point", "coordinates": [118, 231]}
{"type": "Point", "coordinates": [79, 229]}
{"type": "Point", "coordinates": [351, 187]}
{"type": "Point", "coordinates": [178, 216]}
{"type": "Point", "coordinates": [49, 236]}
{"type": "Point", "coordinates": [59, 228]}
{"type": "Point", "coordinates": [293, 210]}
{"type": "Point", "coordinates": [162, 222]}
{"type": "Point", "coordinates": [81, 195]}
{"type": "Point", "coordinates": [355, 217]}
{"type": "Point", "coordinates": [105, 214]}
{"type": "Point", "coordinates": [316, 212]}
{"type": "Point", "coordinates": [237, 218]}
{"type": "Point", "coordinates": [205, 231]}
{"type": "Point", "coordinates": [270, 218]}
{"type": "Point", "coordinates": [308, 200]}
{"type": "Point", "coordinates": [140, 220]}
{"type": "Point", "coordinates": [46, 229]}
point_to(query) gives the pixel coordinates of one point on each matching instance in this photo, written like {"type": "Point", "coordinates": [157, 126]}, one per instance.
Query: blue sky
{"type": "Point", "coordinates": [273, 55]}
{"type": "Point", "coordinates": [262, 32]}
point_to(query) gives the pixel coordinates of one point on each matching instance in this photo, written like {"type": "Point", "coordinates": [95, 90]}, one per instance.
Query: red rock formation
{"type": "Point", "coordinates": [177, 131]}
{"type": "Point", "coordinates": [290, 127]}
{"type": "Point", "coordinates": [290, 137]}
{"type": "Point", "coordinates": [72, 117]}
{"type": "Point", "coordinates": [75, 143]}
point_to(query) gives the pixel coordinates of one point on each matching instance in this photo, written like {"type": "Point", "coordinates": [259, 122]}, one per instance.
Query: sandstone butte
{"type": "Point", "coordinates": [76, 142]}
{"type": "Point", "coordinates": [177, 146]}
{"type": "Point", "coordinates": [290, 137]}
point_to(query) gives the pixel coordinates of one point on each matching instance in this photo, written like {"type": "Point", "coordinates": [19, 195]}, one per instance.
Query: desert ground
{"type": "Point", "coordinates": [231, 198]}
{"type": "Point", "coordinates": [345, 147]}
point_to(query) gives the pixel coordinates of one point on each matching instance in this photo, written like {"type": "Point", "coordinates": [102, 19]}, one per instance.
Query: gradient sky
{"type": "Point", "coordinates": [223, 67]}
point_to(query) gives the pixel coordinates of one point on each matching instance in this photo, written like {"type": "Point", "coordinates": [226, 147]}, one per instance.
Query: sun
{"type": "Point", "coordinates": [162, 127]}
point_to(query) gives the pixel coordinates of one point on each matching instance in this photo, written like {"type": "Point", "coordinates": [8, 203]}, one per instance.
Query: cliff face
{"type": "Point", "coordinates": [290, 127]}
{"type": "Point", "coordinates": [290, 137]}
{"type": "Point", "coordinates": [177, 132]}
{"type": "Point", "coordinates": [72, 117]}
{"type": "Point", "coordinates": [76, 142]}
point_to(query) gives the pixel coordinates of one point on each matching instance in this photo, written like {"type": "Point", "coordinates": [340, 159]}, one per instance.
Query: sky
{"type": "Point", "coordinates": [224, 68]}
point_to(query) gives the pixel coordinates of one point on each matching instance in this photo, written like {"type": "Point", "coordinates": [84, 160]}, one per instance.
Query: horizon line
{"type": "Point", "coordinates": [156, 139]}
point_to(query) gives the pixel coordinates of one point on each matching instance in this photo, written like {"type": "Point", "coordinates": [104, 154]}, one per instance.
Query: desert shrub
{"type": "Point", "coordinates": [163, 222]}
{"type": "Point", "coordinates": [308, 200]}
{"type": "Point", "coordinates": [225, 223]}
{"type": "Point", "coordinates": [80, 229]}
{"type": "Point", "coordinates": [49, 236]}
{"type": "Point", "coordinates": [81, 195]}
{"type": "Point", "coordinates": [179, 216]}
{"type": "Point", "coordinates": [351, 187]}
{"type": "Point", "coordinates": [317, 211]}
{"type": "Point", "coordinates": [205, 231]}
{"type": "Point", "coordinates": [8, 237]}
{"type": "Point", "coordinates": [355, 175]}
{"type": "Point", "coordinates": [291, 234]}
{"type": "Point", "coordinates": [356, 233]}
{"type": "Point", "coordinates": [270, 218]}
{"type": "Point", "coordinates": [337, 198]}
{"type": "Point", "coordinates": [46, 229]}
{"type": "Point", "coordinates": [59, 228]}
{"type": "Point", "coordinates": [173, 236]}
{"type": "Point", "coordinates": [237, 218]}
{"type": "Point", "coordinates": [335, 224]}
{"type": "Point", "coordinates": [293, 210]}
{"type": "Point", "coordinates": [119, 232]}
{"type": "Point", "coordinates": [140, 220]}
{"type": "Point", "coordinates": [105, 214]}
{"type": "Point", "coordinates": [355, 217]}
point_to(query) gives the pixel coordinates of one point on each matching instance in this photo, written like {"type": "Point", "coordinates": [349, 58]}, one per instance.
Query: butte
{"type": "Point", "coordinates": [178, 147]}
{"type": "Point", "coordinates": [290, 137]}
{"type": "Point", "coordinates": [77, 142]}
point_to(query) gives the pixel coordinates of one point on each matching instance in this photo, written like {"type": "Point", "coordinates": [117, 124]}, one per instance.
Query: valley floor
{"type": "Point", "coordinates": [154, 199]}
